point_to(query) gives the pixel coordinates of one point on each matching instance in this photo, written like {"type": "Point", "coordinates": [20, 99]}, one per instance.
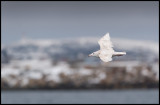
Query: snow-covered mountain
{"type": "Point", "coordinates": [77, 49]}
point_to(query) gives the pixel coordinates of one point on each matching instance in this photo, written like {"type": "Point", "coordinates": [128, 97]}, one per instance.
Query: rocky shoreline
{"type": "Point", "coordinates": [67, 76]}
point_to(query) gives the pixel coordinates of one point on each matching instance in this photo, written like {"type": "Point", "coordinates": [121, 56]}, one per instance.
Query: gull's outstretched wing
{"type": "Point", "coordinates": [105, 42]}
{"type": "Point", "coordinates": [106, 49]}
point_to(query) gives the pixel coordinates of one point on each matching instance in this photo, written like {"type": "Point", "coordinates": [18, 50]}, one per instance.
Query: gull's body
{"type": "Point", "coordinates": [106, 51]}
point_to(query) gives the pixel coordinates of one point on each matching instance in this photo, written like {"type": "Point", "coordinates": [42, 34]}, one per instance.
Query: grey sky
{"type": "Point", "coordinates": [53, 19]}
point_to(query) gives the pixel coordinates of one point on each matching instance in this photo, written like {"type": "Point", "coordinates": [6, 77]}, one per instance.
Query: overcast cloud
{"type": "Point", "coordinates": [45, 19]}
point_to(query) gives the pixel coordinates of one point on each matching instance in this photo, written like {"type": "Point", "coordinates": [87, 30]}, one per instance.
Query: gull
{"type": "Point", "coordinates": [106, 51]}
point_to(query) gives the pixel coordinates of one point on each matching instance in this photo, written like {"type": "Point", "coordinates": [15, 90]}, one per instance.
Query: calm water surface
{"type": "Point", "coordinates": [80, 96]}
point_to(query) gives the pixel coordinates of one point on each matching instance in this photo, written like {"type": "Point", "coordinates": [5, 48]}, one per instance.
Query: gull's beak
{"type": "Point", "coordinates": [89, 55]}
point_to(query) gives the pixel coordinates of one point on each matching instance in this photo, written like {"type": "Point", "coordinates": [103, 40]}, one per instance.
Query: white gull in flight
{"type": "Point", "coordinates": [106, 51]}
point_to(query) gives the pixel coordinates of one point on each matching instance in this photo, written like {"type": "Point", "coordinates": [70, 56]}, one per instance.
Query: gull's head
{"type": "Point", "coordinates": [94, 54]}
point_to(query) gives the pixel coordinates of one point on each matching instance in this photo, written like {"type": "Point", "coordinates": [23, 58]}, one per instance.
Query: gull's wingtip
{"type": "Point", "coordinates": [107, 34]}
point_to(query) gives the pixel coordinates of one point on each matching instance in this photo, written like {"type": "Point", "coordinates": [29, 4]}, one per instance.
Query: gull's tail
{"type": "Point", "coordinates": [119, 53]}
